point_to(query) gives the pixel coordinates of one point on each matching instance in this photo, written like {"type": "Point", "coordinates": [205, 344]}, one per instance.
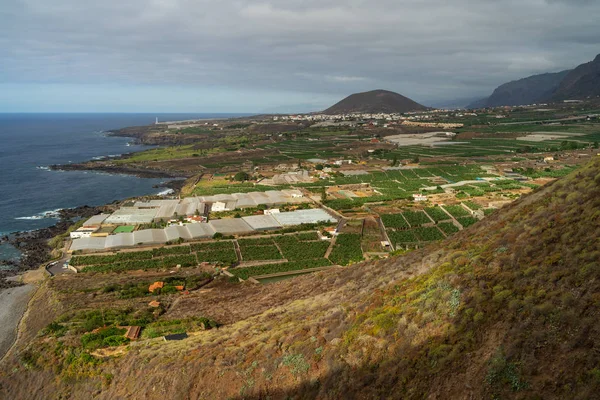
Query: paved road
{"type": "Point", "coordinates": [57, 267]}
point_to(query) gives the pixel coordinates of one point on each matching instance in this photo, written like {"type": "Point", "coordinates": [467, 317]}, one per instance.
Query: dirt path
{"type": "Point", "coordinates": [13, 303]}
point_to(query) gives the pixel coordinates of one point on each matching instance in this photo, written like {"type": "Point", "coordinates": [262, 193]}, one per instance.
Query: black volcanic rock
{"type": "Point", "coordinates": [375, 101]}
{"type": "Point", "coordinates": [530, 90]}
{"type": "Point", "coordinates": [581, 83]}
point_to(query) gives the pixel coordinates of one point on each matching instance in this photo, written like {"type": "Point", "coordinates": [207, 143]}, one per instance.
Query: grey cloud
{"type": "Point", "coordinates": [428, 50]}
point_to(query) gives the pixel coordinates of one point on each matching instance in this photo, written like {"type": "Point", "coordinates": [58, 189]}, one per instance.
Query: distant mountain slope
{"type": "Point", "coordinates": [580, 83]}
{"type": "Point", "coordinates": [375, 101]}
{"type": "Point", "coordinates": [530, 90]}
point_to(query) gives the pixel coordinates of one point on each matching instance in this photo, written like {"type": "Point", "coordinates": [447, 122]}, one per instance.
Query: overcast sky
{"type": "Point", "coordinates": [254, 56]}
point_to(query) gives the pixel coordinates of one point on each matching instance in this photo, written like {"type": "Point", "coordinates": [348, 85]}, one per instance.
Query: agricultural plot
{"type": "Point", "coordinates": [260, 253]}
{"type": "Point", "coordinates": [473, 206]}
{"type": "Point", "coordinates": [294, 249]}
{"type": "Point", "coordinates": [437, 214]}
{"type": "Point", "coordinates": [429, 234]}
{"type": "Point", "coordinates": [246, 273]}
{"type": "Point", "coordinates": [402, 237]}
{"type": "Point", "coordinates": [457, 211]}
{"type": "Point", "coordinates": [216, 252]}
{"type": "Point", "coordinates": [187, 260]}
{"type": "Point", "coordinates": [395, 221]}
{"type": "Point", "coordinates": [467, 221]}
{"type": "Point", "coordinates": [416, 218]}
{"type": "Point", "coordinates": [347, 249]}
{"type": "Point", "coordinates": [163, 251]}
{"type": "Point", "coordinates": [371, 236]}
{"type": "Point", "coordinates": [448, 228]}
{"type": "Point", "coordinates": [77, 261]}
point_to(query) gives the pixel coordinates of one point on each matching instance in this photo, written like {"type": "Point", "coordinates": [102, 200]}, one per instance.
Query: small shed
{"type": "Point", "coordinates": [133, 332]}
{"type": "Point", "coordinates": [156, 285]}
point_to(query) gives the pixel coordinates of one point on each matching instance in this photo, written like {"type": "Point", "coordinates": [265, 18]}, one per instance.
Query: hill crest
{"type": "Point", "coordinates": [375, 101]}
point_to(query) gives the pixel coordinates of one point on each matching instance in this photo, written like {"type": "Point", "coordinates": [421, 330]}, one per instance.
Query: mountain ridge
{"type": "Point", "coordinates": [574, 84]}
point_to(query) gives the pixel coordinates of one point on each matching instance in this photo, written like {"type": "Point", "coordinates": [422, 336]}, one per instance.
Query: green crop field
{"type": "Point", "coordinates": [437, 214]}
{"type": "Point", "coordinates": [457, 211]}
{"type": "Point", "coordinates": [246, 272]}
{"type": "Point", "coordinates": [347, 249]}
{"type": "Point", "coordinates": [416, 218]}
{"type": "Point", "coordinates": [124, 229]}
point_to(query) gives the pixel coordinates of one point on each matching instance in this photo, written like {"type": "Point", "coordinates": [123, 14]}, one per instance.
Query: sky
{"type": "Point", "coordinates": [277, 56]}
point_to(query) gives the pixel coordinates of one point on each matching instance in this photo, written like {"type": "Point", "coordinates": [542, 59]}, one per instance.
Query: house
{"type": "Point", "coordinates": [133, 332]}
{"type": "Point", "coordinates": [419, 197]}
{"type": "Point", "coordinates": [179, 288]}
{"type": "Point", "coordinates": [331, 230]}
{"type": "Point", "coordinates": [195, 219]}
{"type": "Point", "coordinates": [218, 206]}
{"type": "Point", "coordinates": [156, 285]}
{"type": "Point", "coordinates": [82, 233]}
{"type": "Point", "coordinates": [175, 336]}
{"type": "Point", "coordinates": [272, 211]}
{"type": "Point", "coordinates": [548, 159]}
{"type": "Point", "coordinates": [154, 304]}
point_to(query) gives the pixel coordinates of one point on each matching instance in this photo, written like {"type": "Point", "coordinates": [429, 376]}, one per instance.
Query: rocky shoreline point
{"type": "Point", "coordinates": [33, 245]}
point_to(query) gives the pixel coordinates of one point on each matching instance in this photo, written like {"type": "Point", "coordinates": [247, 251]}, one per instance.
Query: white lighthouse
{"type": "Point", "coordinates": [156, 123]}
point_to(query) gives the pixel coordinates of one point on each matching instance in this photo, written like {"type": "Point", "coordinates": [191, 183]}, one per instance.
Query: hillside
{"type": "Point", "coordinates": [505, 309]}
{"type": "Point", "coordinates": [580, 83]}
{"type": "Point", "coordinates": [530, 90]}
{"type": "Point", "coordinates": [375, 101]}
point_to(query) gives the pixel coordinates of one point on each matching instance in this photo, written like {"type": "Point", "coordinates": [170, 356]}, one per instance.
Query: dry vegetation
{"type": "Point", "coordinates": [505, 309]}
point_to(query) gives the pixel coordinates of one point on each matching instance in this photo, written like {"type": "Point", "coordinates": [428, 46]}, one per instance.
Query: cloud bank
{"type": "Point", "coordinates": [292, 51]}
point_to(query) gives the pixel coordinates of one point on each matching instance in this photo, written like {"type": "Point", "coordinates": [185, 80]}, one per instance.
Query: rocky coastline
{"type": "Point", "coordinates": [34, 246]}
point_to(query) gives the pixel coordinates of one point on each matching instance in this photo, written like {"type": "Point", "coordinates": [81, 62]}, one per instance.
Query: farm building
{"type": "Point", "coordinates": [303, 217]}
{"type": "Point", "coordinates": [262, 222]}
{"type": "Point", "coordinates": [230, 226]}
{"type": "Point", "coordinates": [133, 332]}
{"type": "Point", "coordinates": [88, 243]}
{"type": "Point", "coordinates": [132, 215]}
{"type": "Point", "coordinates": [83, 232]}
{"type": "Point", "coordinates": [95, 221]}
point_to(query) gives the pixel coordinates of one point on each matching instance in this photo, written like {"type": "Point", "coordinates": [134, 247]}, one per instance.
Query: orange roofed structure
{"type": "Point", "coordinates": [156, 285]}
{"type": "Point", "coordinates": [133, 332]}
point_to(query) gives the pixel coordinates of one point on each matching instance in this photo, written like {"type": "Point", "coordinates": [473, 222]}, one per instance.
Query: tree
{"type": "Point", "coordinates": [241, 176]}
{"type": "Point", "coordinates": [416, 160]}
{"type": "Point", "coordinates": [394, 161]}
{"type": "Point", "coordinates": [323, 194]}
{"type": "Point", "coordinates": [319, 167]}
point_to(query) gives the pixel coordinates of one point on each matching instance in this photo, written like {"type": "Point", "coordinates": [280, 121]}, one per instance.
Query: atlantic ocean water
{"type": "Point", "coordinates": [30, 193]}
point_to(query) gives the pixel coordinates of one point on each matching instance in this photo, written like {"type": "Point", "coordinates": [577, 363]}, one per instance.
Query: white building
{"type": "Point", "coordinates": [218, 206]}
{"type": "Point", "coordinates": [82, 233]}
{"type": "Point", "coordinates": [419, 197]}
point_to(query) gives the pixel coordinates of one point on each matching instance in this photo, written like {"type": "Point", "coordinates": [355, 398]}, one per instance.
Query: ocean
{"type": "Point", "coordinates": [30, 194]}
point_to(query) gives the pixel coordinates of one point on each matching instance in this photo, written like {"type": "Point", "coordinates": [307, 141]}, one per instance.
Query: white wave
{"type": "Point", "coordinates": [43, 167]}
{"type": "Point", "coordinates": [99, 158]}
{"type": "Point", "coordinates": [165, 192]}
{"type": "Point", "coordinates": [43, 215]}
